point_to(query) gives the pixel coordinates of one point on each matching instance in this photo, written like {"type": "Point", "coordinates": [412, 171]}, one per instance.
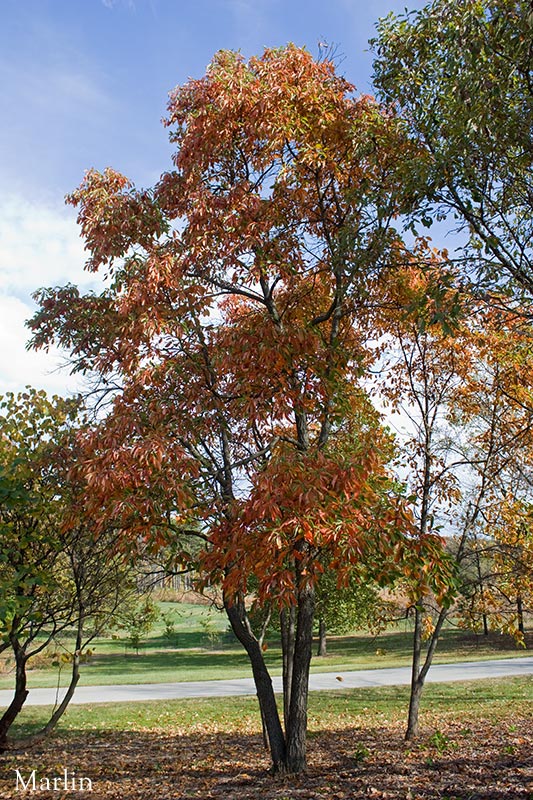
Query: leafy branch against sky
{"type": "Point", "coordinates": [85, 85]}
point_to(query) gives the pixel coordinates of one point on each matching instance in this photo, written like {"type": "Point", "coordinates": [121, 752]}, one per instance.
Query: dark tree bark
{"type": "Point", "coordinates": [297, 720]}
{"type": "Point", "coordinates": [416, 685]}
{"type": "Point", "coordinates": [482, 594]}
{"type": "Point", "coordinates": [520, 614]}
{"type": "Point", "coordinates": [19, 698]}
{"type": "Point", "coordinates": [288, 635]}
{"type": "Point", "coordinates": [288, 751]}
{"type": "Point", "coordinates": [265, 693]}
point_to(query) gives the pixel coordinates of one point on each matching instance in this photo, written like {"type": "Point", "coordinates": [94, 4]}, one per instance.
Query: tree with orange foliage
{"type": "Point", "coordinates": [233, 339]}
{"type": "Point", "coordinates": [494, 407]}
{"type": "Point", "coordinates": [466, 459]}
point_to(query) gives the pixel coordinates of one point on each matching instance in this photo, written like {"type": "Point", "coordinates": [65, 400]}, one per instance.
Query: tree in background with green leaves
{"type": "Point", "coordinates": [138, 618]}
{"type": "Point", "coordinates": [355, 604]}
{"type": "Point", "coordinates": [459, 71]}
{"type": "Point", "coordinates": [459, 74]}
{"type": "Point", "coordinates": [58, 574]}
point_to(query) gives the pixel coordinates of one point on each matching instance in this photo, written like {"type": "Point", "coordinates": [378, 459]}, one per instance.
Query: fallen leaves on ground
{"type": "Point", "coordinates": [466, 759]}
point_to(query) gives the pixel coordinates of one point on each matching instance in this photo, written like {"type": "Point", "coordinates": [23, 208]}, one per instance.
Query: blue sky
{"type": "Point", "coordinates": [84, 83]}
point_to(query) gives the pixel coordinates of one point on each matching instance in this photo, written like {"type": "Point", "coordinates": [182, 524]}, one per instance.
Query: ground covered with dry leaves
{"type": "Point", "coordinates": [468, 759]}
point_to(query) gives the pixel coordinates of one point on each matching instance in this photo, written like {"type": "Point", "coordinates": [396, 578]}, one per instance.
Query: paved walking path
{"type": "Point", "coordinates": [394, 676]}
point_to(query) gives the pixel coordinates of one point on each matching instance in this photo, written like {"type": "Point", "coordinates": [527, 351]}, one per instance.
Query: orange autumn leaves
{"type": "Point", "coordinates": [246, 290]}
{"type": "Point", "coordinates": [306, 510]}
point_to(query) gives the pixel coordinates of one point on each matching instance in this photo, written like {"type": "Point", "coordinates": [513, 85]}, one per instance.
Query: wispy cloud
{"type": "Point", "coordinates": [114, 3]}
{"type": "Point", "coordinates": [250, 17]}
{"type": "Point", "coordinates": [52, 89]}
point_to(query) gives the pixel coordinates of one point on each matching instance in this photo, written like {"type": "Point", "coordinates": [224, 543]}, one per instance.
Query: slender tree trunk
{"type": "Point", "coordinates": [482, 593]}
{"type": "Point", "coordinates": [418, 674]}
{"type": "Point", "coordinates": [297, 721]}
{"type": "Point", "coordinates": [322, 645]}
{"type": "Point", "coordinates": [288, 634]}
{"type": "Point", "coordinates": [520, 614]}
{"type": "Point", "coordinates": [19, 698]}
{"type": "Point", "coordinates": [416, 686]}
{"type": "Point", "coordinates": [62, 707]}
{"type": "Point", "coordinates": [263, 683]}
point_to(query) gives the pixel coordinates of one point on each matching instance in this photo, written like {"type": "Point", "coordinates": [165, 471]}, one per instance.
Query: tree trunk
{"type": "Point", "coordinates": [265, 693]}
{"type": "Point", "coordinates": [482, 594]}
{"type": "Point", "coordinates": [297, 720]}
{"type": "Point", "coordinates": [62, 707]}
{"type": "Point", "coordinates": [19, 697]}
{"type": "Point", "coordinates": [418, 675]}
{"type": "Point", "coordinates": [288, 634]}
{"type": "Point", "coordinates": [416, 686]}
{"type": "Point", "coordinates": [322, 646]}
{"type": "Point", "coordinates": [520, 614]}
{"type": "Point", "coordinates": [74, 678]}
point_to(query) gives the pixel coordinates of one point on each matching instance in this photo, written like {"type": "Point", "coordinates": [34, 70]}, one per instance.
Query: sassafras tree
{"type": "Point", "coordinates": [233, 338]}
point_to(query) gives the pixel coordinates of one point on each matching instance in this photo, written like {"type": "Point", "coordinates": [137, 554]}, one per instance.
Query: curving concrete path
{"type": "Point", "coordinates": [319, 681]}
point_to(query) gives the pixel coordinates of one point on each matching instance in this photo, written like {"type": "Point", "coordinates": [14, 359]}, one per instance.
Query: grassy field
{"type": "Point", "coordinates": [201, 648]}
{"type": "Point", "coordinates": [326, 709]}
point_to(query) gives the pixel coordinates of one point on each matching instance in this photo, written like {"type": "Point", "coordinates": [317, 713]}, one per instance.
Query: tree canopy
{"type": "Point", "coordinates": [460, 75]}
{"type": "Point", "coordinates": [246, 291]}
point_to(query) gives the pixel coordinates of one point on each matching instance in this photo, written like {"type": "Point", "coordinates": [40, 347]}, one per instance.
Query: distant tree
{"type": "Point", "coordinates": [498, 595]}
{"type": "Point", "coordinates": [137, 618]}
{"type": "Point", "coordinates": [345, 608]}
{"type": "Point", "coordinates": [513, 567]}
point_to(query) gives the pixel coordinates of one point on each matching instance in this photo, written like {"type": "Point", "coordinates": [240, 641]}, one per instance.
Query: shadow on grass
{"type": "Point", "coordinates": [452, 641]}
{"type": "Point", "coordinates": [186, 664]}
{"type": "Point", "coordinates": [222, 657]}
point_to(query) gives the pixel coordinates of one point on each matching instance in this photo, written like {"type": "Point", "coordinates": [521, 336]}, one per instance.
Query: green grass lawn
{"type": "Point", "coordinates": [491, 698]}
{"type": "Point", "coordinates": [201, 648]}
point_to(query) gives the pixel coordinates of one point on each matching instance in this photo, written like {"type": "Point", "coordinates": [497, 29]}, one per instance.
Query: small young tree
{"type": "Point", "coordinates": [469, 429]}
{"type": "Point", "coordinates": [138, 618]}
{"type": "Point", "coordinates": [57, 576]}
{"type": "Point", "coordinates": [356, 604]}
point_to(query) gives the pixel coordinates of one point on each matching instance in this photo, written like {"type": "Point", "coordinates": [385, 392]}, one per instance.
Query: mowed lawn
{"type": "Point", "coordinates": [202, 648]}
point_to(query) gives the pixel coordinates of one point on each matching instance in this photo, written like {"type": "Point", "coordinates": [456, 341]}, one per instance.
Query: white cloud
{"type": "Point", "coordinates": [130, 4]}
{"type": "Point", "coordinates": [39, 246]}
{"type": "Point", "coordinates": [18, 367]}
